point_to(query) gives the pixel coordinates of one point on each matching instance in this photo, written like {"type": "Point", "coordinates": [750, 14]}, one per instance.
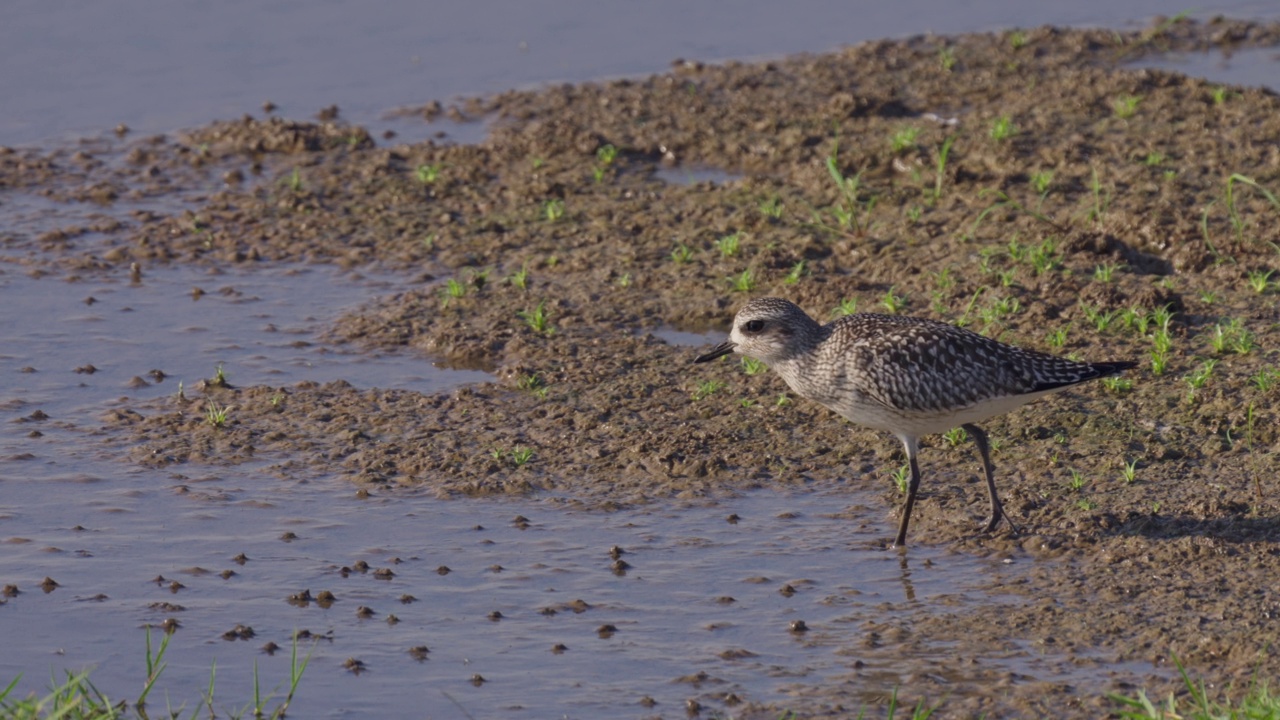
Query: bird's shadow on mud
{"type": "Point", "coordinates": [1232, 528]}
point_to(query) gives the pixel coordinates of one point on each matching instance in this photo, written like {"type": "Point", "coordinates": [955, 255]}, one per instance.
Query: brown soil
{"type": "Point", "coordinates": [1180, 562]}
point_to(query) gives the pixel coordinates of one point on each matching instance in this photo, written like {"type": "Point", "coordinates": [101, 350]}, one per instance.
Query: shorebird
{"type": "Point", "coordinates": [904, 375]}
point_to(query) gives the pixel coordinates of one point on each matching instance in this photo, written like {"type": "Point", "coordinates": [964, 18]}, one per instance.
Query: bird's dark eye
{"type": "Point", "coordinates": [753, 326]}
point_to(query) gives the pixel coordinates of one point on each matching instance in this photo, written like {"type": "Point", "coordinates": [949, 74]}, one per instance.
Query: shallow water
{"type": "Point", "coordinates": [185, 322]}
{"type": "Point", "coordinates": [694, 175]}
{"type": "Point", "coordinates": [684, 338]}
{"type": "Point", "coordinates": [1257, 67]}
{"type": "Point", "coordinates": [83, 70]}
{"type": "Point", "coordinates": [672, 607]}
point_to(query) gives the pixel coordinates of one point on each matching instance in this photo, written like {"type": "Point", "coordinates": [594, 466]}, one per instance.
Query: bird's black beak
{"type": "Point", "coordinates": [723, 348]}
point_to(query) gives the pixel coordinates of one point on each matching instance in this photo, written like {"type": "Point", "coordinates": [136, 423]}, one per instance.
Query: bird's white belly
{"type": "Point", "coordinates": [862, 410]}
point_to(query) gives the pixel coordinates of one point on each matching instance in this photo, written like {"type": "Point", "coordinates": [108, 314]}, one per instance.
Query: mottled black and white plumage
{"type": "Point", "coordinates": [904, 375]}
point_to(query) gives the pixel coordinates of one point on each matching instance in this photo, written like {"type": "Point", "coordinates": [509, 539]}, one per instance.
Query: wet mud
{"type": "Point", "coordinates": [1086, 206]}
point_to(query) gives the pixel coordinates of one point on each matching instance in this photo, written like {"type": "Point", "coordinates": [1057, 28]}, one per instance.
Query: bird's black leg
{"type": "Point", "coordinates": [984, 447]}
{"type": "Point", "coordinates": [912, 447]}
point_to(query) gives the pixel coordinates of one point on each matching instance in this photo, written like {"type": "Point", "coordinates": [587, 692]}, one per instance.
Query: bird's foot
{"type": "Point", "coordinates": [995, 522]}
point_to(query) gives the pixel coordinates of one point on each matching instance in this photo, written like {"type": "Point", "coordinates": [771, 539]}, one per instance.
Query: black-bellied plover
{"type": "Point", "coordinates": [908, 376]}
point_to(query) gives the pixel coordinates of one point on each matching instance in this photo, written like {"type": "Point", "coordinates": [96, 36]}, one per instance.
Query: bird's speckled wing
{"type": "Point", "coordinates": [919, 365]}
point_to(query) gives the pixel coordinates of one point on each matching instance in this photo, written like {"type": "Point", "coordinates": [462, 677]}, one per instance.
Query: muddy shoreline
{"type": "Point", "coordinates": [1078, 193]}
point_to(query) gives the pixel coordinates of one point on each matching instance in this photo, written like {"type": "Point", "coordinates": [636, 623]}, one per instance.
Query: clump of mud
{"type": "Point", "coordinates": [1033, 186]}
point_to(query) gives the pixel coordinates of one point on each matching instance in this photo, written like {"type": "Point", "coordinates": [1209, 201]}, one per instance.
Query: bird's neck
{"type": "Point", "coordinates": [796, 369]}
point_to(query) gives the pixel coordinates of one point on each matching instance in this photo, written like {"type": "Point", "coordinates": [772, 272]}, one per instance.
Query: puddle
{"type": "Point", "coordinates": [695, 175]}
{"type": "Point", "coordinates": [79, 192]}
{"type": "Point", "coordinates": [682, 338]}
{"type": "Point", "coordinates": [32, 220]}
{"type": "Point", "coordinates": [29, 215]}
{"type": "Point", "coordinates": [410, 128]}
{"type": "Point", "coordinates": [1256, 67]}
{"type": "Point", "coordinates": [1036, 660]}
{"type": "Point", "coordinates": [67, 347]}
